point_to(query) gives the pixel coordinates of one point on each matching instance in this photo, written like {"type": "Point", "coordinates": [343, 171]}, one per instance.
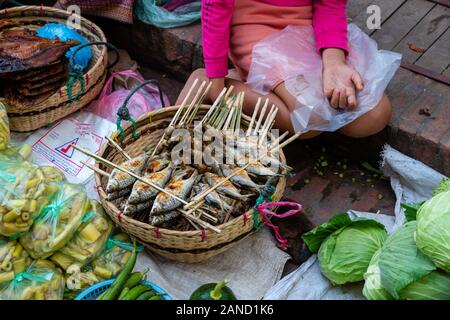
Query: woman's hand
{"type": "Point", "coordinates": [340, 81]}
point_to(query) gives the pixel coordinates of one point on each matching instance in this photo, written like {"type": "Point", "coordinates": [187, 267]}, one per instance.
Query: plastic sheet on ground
{"type": "Point", "coordinates": [252, 267]}
{"type": "Point", "coordinates": [412, 181]}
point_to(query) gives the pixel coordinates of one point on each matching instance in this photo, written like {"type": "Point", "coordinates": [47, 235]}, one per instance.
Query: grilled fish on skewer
{"type": "Point", "coordinates": [227, 188]}
{"type": "Point", "coordinates": [241, 179]}
{"type": "Point", "coordinates": [213, 198]}
{"type": "Point", "coordinates": [118, 194]}
{"type": "Point", "coordinates": [256, 169]}
{"type": "Point", "coordinates": [120, 180]}
{"type": "Point", "coordinates": [130, 209]}
{"type": "Point", "coordinates": [181, 188]}
{"type": "Point", "coordinates": [163, 218]}
{"type": "Point", "coordinates": [143, 192]}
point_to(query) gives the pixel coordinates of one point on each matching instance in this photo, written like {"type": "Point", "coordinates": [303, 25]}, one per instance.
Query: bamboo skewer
{"type": "Point", "coordinates": [192, 104]}
{"type": "Point", "coordinates": [198, 104]}
{"type": "Point", "coordinates": [213, 107]}
{"type": "Point", "coordinates": [176, 116]}
{"type": "Point", "coordinates": [119, 148]}
{"type": "Point", "coordinates": [183, 103]}
{"type": "Point", "coordinates": [95, 169]}
{"type": "Point", "coordinates": [261, 116]}
{"type": "Point", "coordinates": [252, 121]}
{"type": "Point", "coordinates": [267, 126]}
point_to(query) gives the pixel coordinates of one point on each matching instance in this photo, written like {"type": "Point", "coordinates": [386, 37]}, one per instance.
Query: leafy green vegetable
{"type": "Point", "coordinates": [314, 238]}
{"type": "Point", "coordinates": [345, 254]}
{"type": "Point", "coordinates": [433, 230]}
{"type": "Point", "coordinates": [411, 210]}
{"type": "Point", "coordinates": [434, 286]}
{"type": "Point", "coordinates": [443, 187]}
{"type": "Point", "coordinates": [398, 264]}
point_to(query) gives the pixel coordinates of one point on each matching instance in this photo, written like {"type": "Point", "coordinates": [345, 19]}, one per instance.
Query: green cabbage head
{"type": "Point", "coordinates": [346, 253]}
{"type": "Point", "coordinates": [400, 271]}
{"type": "Point", "coordinates": [433, 230]}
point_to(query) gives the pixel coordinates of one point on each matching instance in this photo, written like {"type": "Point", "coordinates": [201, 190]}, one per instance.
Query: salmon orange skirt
{"type": "Point", "coordinates": [253, 21]}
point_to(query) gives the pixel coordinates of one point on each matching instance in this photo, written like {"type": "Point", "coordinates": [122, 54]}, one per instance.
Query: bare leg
{"type": "Point", "coordinates": [369, 124]}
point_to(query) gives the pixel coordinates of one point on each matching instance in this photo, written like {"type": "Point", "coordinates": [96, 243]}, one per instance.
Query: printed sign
{"type": "Point", "coordinates": [54, 146]}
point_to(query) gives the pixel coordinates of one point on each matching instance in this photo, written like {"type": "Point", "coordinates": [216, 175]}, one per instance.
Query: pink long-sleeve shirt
{"type": "Point", "coordinates": [329, 22]}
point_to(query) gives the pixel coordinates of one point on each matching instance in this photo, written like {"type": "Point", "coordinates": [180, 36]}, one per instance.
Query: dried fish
{"type": "Point", "coordinates": [158, 220]}
{"type": "Point", "coordinates": [120, 180]}
{"type": "Point", "coordinates": [227, 188]}
{"type": "Point", "coordinates": [118, 194]}
{"type": "Point", "coordinates": [213, 198]}
{"type": "Point", "coordinates": [241, 179]}
{"type": "Point", "coordinates": [143, 192]}
{"type": "Point", "coordinates": [180, 188]}
{"type": "Point", "coordinates": [256, 169]}
{"type": "Point", "coordinates": [130, 209]}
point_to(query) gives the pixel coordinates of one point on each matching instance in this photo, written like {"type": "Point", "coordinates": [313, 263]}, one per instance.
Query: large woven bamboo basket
{"type": "Point", "coordinates": [183, 246]}
{"type": "Point", "coordinates": [58, 105]}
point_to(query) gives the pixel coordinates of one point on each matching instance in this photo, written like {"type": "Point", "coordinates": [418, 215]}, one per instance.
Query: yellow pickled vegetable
{"type": "Point", "coordinates": [40, 281]}
{"type": "Point", "coordinates": [57, 223]}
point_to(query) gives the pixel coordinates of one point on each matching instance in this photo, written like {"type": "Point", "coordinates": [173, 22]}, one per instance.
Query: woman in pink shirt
{"type": "Point", "coordinates": [231, 28]}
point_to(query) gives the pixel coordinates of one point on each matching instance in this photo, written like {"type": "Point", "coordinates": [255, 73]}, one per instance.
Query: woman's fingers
{"type": "Point", "coordinates": [357, 80]}
{"type": "Point", "coordinates": [335, 99]}
{"type": "Point", "coordinates": [343, 99]}
{"type": "Point", "coordinates": [351, 98]}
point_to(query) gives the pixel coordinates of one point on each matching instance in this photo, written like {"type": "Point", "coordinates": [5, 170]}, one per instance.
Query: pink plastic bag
{"type": "Point", "coordinates": [145, 100]}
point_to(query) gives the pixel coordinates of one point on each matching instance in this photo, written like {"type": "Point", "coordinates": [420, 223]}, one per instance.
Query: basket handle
{"type": "Point", "coordinates": [76, 71]}
{"type": "Point", "coordinates": [96, 43]}
{"type": "Point", "coordinates": [124, 114]}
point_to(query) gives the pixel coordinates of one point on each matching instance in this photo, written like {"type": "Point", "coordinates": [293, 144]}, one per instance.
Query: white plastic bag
{"type": "Point", "coordinates": [291, 55]}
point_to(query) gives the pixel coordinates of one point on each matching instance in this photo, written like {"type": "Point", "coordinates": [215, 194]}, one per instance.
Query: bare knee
{"type": "Point", "coordinates": [370, 123]}
{"type": "Point", "coordinates": [199, 74]}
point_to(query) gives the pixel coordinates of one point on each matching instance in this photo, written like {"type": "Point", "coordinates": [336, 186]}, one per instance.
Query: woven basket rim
{"type": "Point", "coordinates": [164, 231]}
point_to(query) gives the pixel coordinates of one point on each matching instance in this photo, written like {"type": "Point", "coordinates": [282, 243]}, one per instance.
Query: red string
{"type": "Point", "coordinates": [86, 79]}
{"type": "Point", "coordinates": [264, 212]}
{"type": "Point", "coordinates": [41, 10]}
{"type": "Point", "coordinates": [203, 234]}
{"type": "Point", "coordinates": [244, 216]}
{"type": "Point", "coordinates": [98, 187]}
{"type": "Point", "coordinates": [120, 216]}
{"type": "Point", "coordinates": [157, 233]}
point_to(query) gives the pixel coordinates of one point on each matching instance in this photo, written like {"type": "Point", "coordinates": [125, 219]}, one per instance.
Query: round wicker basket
{"type": "Point", "coordinates": [183, 246]}
{"type": "Point", "coordinates": [58, 105]}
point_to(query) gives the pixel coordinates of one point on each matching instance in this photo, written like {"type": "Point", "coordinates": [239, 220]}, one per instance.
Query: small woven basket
{"type": "Point", "coordinates": [183, 246]}
{"type": "Point", "coordinates": [58, 105]}
{"type": "Point", "coordinates": [94, 291]}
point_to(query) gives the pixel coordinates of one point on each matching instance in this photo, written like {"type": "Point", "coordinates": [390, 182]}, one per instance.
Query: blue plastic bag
{"type": "Point", "coordinates": [63, 32]}
{"type": "Point", "coordinates": [150, 12]}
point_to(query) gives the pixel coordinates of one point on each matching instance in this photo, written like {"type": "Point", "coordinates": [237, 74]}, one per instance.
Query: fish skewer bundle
{"type": "Point", "coordinates": [163, 195]}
